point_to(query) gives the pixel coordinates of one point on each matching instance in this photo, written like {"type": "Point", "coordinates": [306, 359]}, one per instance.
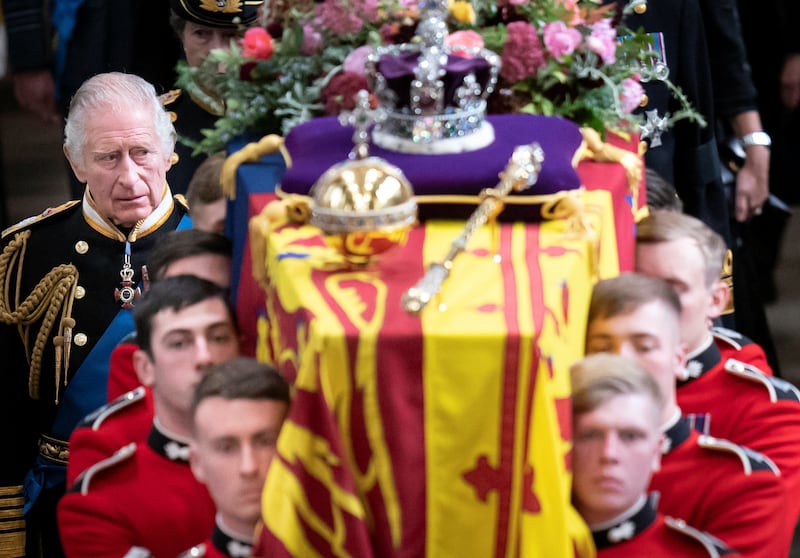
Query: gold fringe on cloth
{"type": "Point", "coordinates": [250, 153]}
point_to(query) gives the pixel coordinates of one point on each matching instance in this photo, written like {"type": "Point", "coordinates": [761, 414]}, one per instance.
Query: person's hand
{"type": "Point", "coordinates": [790, 81]}
{"type": "Point", "coordinates": [752, 183]}
{"type": "Point", "coordinates": [35, 93]}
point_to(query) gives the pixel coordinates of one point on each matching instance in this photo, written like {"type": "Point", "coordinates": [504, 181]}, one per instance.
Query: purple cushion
{"type": "Point", "coordinates": [320, 143]}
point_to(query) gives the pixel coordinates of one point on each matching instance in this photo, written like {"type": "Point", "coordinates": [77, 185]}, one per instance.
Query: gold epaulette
{"type": "Point", "coordinates": [83, 482]}
{"type": "Point", "coordinates": [751, 460]}
{"type": "Point", "coordinates": [49, 212]}
{"type": "Point", "coordinates": [12, 528]}
{"type": "Point", "coordinates": [170, 96]}
{"type": "Point", "coordinates": [181, 199]}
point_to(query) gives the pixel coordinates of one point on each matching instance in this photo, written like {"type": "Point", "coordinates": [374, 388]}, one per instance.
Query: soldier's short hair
{"type": "Point", "coordinates": [600, 377]}
{"type": "Point", "coordinates": [185, 243]}
{"type": "Point", "coordinates": [665, 226]}
{"type": "Point", "coordinates": [241, 378]}
{"type": "Point", "coordinates": [625, 293]}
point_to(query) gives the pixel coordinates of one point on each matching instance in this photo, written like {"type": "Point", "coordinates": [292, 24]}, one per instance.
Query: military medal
{"type": "Point", "coordinates": [128, 293]}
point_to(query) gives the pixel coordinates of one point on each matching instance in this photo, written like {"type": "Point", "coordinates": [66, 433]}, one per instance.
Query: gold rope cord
{"type": "Point", "coordinates": [53, 293]}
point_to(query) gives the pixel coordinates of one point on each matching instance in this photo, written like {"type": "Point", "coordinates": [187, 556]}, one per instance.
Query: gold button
{"type": "Point", "coordinates": [80, 292]}
{"type": "Point", "coordinates": [81, 247]}
{"type": "Point", "coordinates": [642, 148]}
{"type": "Point", "coordinates": [80, 339]}
{"type": "Point", "coordinates": [640, 8]}
{"type": "Point", "coordinates": [644, 101]}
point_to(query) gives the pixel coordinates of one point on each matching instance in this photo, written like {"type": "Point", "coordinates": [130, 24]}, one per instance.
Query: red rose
{"type": "Point", "coordinates": [257, 43]}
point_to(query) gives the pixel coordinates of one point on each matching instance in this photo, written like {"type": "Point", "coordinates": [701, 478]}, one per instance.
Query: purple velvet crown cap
{"type": "Point", "coordinates": [320, 143]}
{"type": "Point", "coordinates": [398, 71]}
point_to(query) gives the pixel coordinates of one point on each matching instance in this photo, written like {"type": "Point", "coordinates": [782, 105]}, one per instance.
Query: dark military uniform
{"type": "Point", "coordinates": [122, 421]}
{"type": "Point", "coordinates": [649, 533]}
{"type": "Point", "coordinates": [144, 496]}
{"type": "Point", "coordinates": [61, 278]}
{"type": "Point", "coordinates": [221, 545]}
{"type": "Point", "coordinates": [688, 155]}
{"type": "Point", "coordinates": [190, 116]}
{"type": "Point", "coordinates": [724, 489]}
{"type": "Point", "coordinates": [729, 397]}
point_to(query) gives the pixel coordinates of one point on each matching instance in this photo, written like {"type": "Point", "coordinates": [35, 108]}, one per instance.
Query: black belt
{"type": "Point", "coordinates": [54, 450]}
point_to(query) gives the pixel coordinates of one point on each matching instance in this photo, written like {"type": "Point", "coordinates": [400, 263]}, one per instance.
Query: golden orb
{"type": "Point", "coordinates": [364, 207]}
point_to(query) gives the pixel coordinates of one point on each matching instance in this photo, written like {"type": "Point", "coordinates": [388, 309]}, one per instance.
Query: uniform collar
{"type": "Point", "coordinates": [166, 444]}
{"type": "Point", "coordinates": [230, 545]}
{"type": "Point", "coordinates": [152, 222]}
{"type": "Point", "coordinates": [628, 525]}
{"type": "Point", "coordinates": [675, 435]}
{"type": "Point", "coordinates": [701, 360]}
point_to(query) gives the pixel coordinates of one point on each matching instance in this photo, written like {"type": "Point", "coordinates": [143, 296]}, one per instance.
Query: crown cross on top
{"type": "Point", "coordinates": [362, 117]}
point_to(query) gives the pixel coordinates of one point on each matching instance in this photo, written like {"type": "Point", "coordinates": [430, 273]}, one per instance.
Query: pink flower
{"type": "Point", "coordinates": [345, 17]}
{"type": "Point", "coordinates": [522, 53]}
{"type": "Point", "coordinates": [356, 61]}
{"type": "Point", "coordinates": [312, 40]}
{"type": "Point", "coordinates": [517, 2]}
{"type": "Point", "coordinates": [257, 44]}
{"type": "Point", "coordinates": [561, 40]}
{"type": "Point", "coordinates": [603, 41]}
{"type": "Point", "coordinates": [463, 41]}
{"type": "Point", "coordinates": [631, 95]}
{"type": "Point", "coordinates": [571, 6]}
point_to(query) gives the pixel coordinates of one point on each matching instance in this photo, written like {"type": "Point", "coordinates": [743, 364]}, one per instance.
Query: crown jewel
{"type": "Point", "coordinates": [434, 96]}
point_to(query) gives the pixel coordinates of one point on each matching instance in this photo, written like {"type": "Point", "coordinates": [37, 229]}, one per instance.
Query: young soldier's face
{"type": "Point", "coordinates": [183, 344]}
{"type": "Point", "coordinates": [616, 448]}
{"type": "Point", "coordinates": [234, 443]}
{"type": "Point", "coordinates": [681, 264]}
{"type": "Point", "coordinates": [649, 335]}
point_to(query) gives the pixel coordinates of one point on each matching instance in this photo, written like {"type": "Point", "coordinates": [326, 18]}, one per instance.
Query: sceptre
{"type": "Point", "coordinates": [521, 172]}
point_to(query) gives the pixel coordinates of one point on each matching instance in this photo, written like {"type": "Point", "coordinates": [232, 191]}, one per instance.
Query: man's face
{"type": "Point", "coordinates": [211, 267]}
{"type": "Point", "coordinates": [198, 40]}
{"type": "Point", "coordinates": [648, 335]}
{"type": "Point", "coordinates": [233, 446]}
{"type": "Point", "coordinates": [616, 448]}
{"type": "Point", "coordinates": [681, 264]}
{"type": "Point", "coordinates": [210, 216]}
{"type": "Point", "coordinates": [123, 165]}
{"type": "Point", "coordinates": [183, 345]}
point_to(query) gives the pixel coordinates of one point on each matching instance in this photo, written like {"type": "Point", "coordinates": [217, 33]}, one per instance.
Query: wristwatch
{"type": "Point", "coordinates": [756, 138]}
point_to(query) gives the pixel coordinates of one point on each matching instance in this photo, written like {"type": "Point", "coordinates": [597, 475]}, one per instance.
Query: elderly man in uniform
{"type": "Point", "coordinates": [70, 277]}
{"type": "Point", "coordinates": [201, 26]}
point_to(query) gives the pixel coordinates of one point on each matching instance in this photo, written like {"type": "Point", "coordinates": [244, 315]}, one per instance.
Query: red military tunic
{"type": "Point", "coordinates": [650, 534]}
{"type": "Point", "coordinates": [729, 397]}
{"type": "Point", "coordinates": [221, 545]}
{"type": "Point", "coordinates": [127, 419]}
{"type": "Point", "coordinates": [143, 497]}
{"type": "Point", "coordinates": [726, 490]}
{"type": "Point", "coordinates": [122, 376]}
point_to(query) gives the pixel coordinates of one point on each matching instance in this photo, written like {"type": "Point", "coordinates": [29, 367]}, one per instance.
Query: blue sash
{"type": "Point", "coordinates": [87, 391]}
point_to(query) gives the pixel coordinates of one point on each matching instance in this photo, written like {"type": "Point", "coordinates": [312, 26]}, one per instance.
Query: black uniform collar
{"type": "Point", "coordinates": [168, 445]}
{"type": "Point", "coordinates": [628, 525]}
{"type": "Point", "coordinates": [230, 545]}
{"type": "Point", "coordinates": [676, 434]}
{"type": "Point", "coordinates": [702, 360]}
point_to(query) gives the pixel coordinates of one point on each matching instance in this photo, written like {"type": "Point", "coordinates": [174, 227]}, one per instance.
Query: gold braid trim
{"type": "Point", "coordinates": [54, 293]}
{"type": "Point", "coordinates": [250, 153]}
{"type": "Point", "coordinates": [12, 526]}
